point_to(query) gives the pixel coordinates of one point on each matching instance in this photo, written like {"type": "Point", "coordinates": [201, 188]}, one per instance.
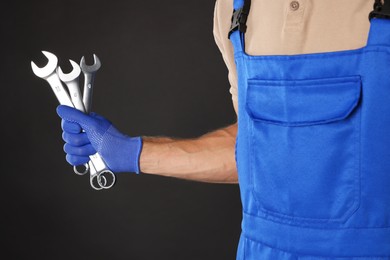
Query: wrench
{"type": "Point", "coordinates": [97, 166]}
{"type": "Point", "coordinates": [89, 78]}
{"type": "Point", "coordinates": [72, 82]}
{"type": "Point", "coordinates": [49, 74]}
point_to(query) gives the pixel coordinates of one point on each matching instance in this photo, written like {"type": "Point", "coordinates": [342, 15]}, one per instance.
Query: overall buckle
{"type": "Point", "coordinates": [381, 10]}
{"type": "Point", "coordinates": [239, 18]}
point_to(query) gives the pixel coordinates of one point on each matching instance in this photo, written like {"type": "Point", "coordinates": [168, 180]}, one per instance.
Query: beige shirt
{"type": "Point", "coordinates": [293, 27]}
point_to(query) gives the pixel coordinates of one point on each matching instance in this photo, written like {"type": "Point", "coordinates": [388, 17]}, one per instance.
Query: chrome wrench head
{"type": "Point", "coordinates": [93, 179]}
{"type": "Point", "coordinates": [98, 180]}
{"type": "Point", "coordinates": [83, 171]}
{"type": "Point", "coordinates": [72, 82]}
{"type": "Point", "coordinates": [106, 179]}
{"type": "Point", "coordinates": [49, 74]}
{"type": "Point", "coordinates": [90, 68]}
{"type": "Point", "coordinates": [89, 78]}
{"type": "Point", "coordinates": [68, 77]}
{"type": "Point", "coordinates": [49, 68]}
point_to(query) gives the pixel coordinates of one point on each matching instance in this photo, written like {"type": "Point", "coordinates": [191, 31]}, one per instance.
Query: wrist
{"type": "Point", "coordinates": [136, 146]}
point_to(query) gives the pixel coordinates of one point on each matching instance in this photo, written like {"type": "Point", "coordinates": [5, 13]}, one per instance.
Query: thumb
{"type": "Point", "coordinates": [73, 115]}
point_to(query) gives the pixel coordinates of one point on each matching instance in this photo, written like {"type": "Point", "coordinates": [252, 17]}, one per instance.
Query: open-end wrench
{"type": "Point", "coordinates": [89, 78]}
{"type": "Point", "coordinates": [99, 173]}
{"type": "Point", "coordinates": [72, 82]}
{"type": "Point", "coordinates": [106, 178]}
{"type": "Point", "coordinates": [49, 74]}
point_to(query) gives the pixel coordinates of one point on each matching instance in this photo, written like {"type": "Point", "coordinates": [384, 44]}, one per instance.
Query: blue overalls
{"type": "Point", "coordinates": [313, 151]}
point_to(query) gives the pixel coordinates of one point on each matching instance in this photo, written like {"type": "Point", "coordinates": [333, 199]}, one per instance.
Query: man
{"type": "Point", "coordinates": [302, 131]}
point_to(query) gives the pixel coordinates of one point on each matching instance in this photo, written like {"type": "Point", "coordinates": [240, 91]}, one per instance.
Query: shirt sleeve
{"type": "Point", "coordinates": [222, 19]}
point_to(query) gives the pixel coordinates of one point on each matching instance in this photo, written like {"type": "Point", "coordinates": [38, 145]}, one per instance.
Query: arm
{"type": "Point", "coordinates": [209, 158]}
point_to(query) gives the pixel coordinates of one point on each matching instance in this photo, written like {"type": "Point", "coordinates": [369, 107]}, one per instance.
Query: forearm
{"type": "Point", "coordinates": [209, 158]}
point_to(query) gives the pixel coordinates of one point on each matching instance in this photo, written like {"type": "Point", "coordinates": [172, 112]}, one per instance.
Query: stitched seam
{"type": "Point", "coordinates": [102, 138]}
{"type": "Point", "coordinates": [306, 255]}
{"type": "Point", "coordinates": [327, 55]}
{"type": "Point", "coordinates": [316, 227]}
{"type": "Point", "coordinates": [333, 81]}
{"type": "Point", "coordinates": [308, 123]}
{"type": "Point", "coordinates": [285, 217]}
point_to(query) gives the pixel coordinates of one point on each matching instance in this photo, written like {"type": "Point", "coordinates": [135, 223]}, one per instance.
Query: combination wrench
{"type": "Point", "coordinates": [89, 72]}
{"type": "Point", "coordinates": [100, 175]}
{"type": "Point", "coordinates": [72, 82]}
{"type": "Point", "coordinates": [99, 170]}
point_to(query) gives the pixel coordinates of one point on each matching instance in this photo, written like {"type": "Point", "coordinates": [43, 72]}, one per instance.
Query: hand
{"type": "Point", "coordinates": [120, 152]}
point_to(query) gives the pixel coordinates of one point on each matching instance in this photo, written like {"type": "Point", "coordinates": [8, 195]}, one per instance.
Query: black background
{"type": "Point", "coordinates": [161, 74]}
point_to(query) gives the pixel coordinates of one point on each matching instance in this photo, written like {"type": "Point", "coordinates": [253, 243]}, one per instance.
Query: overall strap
{"type": "Point", "coordinates": [240, 16]}
{"type": "Point", "coordinates": [238, 27]}
{"type": "Point", "coordinates": [380, 23]}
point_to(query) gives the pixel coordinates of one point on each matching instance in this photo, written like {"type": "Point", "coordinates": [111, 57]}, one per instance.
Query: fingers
{"type": "Point", "coordinates": [77, 146]}
{"type": "Point", "coordinates": [84, 151]}
{"type": "Point", "coordinates": [76, 160]}
{"type": "Point", "coordinates": [70, 127]}
{"type": "Point", "coordinates": [78, 155]}
{"type": "Point", "coordinates": [75, 139]}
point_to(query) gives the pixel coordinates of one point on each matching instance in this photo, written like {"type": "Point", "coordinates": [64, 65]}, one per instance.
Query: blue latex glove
{"type": "Point", "coordinates": [120, 152]}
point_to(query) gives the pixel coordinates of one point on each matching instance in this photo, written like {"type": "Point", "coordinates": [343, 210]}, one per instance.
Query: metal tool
{"type": "Point", "coordinates": [72, 82]}
{"type": "Point", "coordinates": [89, 78]}
{"type": "Point", "coordinates": [105, 178]}
{"type": "Point", "coordinates": [100, 171]}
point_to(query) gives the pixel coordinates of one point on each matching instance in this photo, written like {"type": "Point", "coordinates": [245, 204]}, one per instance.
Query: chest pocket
{"type": "Point", "coordinates": [304, 148]}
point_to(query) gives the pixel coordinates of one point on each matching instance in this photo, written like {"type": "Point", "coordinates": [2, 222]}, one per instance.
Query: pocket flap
{"type": "Point", "coordinates": [302, 102]}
